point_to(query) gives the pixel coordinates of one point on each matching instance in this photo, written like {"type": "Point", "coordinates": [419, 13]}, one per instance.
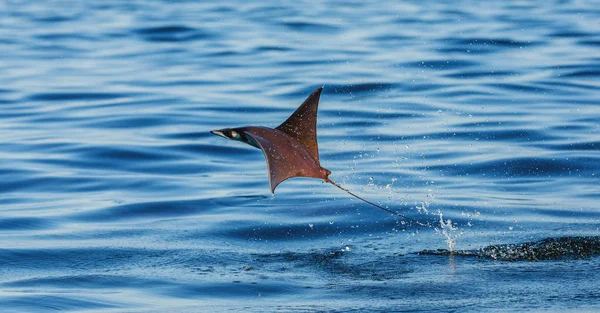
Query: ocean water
{"type": "Point", "coordinates": [479, 118]}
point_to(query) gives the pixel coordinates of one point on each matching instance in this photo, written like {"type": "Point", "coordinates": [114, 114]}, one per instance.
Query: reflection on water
{"type": "Point", "coordinates": [115, 196]}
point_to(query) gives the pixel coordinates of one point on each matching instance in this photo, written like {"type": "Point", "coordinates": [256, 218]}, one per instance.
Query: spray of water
{"type": "Point", "coordinates": [451, 231]}
{"type": "Point", "coordinates": [446, 228]}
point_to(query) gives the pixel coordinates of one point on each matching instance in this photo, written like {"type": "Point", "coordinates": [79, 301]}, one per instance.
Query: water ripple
{"type": "Point", "coordinates": [79, 96]}
{"type": "Point", "coordinates": [171, 33]}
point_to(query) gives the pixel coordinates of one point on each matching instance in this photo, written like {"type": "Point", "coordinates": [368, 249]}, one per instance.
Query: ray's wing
{"type": "Point", "coordinates": [286, 157]}
{"type": "Point", "coordinates": [302, 125]}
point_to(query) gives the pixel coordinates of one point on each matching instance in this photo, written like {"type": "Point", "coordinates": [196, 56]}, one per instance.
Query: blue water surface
{"type": "Point", "coordinates": [480, 118]}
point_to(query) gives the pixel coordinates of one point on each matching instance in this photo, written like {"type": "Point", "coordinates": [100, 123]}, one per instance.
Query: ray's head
{"type": "Point", "coordinates": [228, 133]}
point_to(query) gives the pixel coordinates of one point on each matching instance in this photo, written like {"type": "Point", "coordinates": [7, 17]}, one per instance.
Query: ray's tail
{"type": "Point", "coordinates": [376, 205]}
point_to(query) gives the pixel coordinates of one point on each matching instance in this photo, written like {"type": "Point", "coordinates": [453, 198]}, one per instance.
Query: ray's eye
{"type": "Point", "coordinates": [237, 136]}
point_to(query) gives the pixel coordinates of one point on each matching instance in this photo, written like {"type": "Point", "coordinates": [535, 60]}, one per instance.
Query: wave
{"type": "Point", "coordinates": [561, 248]}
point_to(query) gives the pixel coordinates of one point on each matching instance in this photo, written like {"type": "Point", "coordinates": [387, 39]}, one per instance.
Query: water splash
{"type": "Point", "coordinates": [449, 230]}
{"type": "Point", "coordinates": [423, 208]}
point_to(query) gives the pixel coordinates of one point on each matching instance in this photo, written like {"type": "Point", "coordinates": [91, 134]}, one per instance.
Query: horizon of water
{"type": "Point", "coordinates": [482, 120]}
